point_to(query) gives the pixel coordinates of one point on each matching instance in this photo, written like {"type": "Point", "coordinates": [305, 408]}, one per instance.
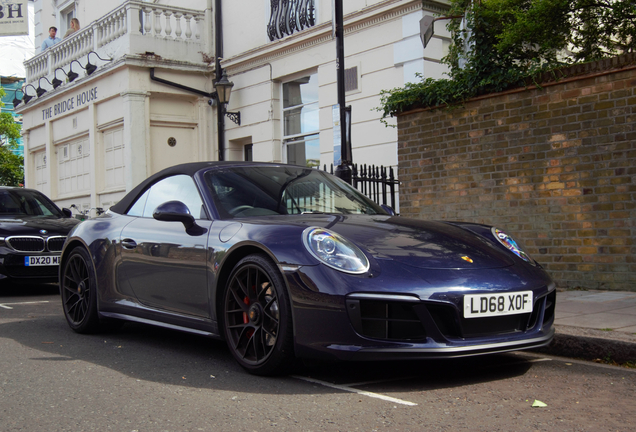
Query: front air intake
{"type": "Point", "coordinates": [385, 319]}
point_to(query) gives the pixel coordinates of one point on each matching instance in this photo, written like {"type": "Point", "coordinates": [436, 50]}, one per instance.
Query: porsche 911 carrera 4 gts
{"type": "Point", "coordinates": [287, 262]}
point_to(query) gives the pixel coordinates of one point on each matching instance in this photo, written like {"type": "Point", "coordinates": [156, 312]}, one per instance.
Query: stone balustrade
{"type": "Point", "coordinates": [131, 28]}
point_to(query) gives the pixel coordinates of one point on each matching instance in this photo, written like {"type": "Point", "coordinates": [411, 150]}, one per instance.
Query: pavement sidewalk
{"type": "Point", "coordinates": [595, 325]}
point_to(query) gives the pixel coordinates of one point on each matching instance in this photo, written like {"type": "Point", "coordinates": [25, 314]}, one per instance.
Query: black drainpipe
{"type": "Point", "coordinates": [180, 86]}
{"type": "Point", "coordinates": [218, 49]}
{"type": "Point", "coordinates": [202, 93]}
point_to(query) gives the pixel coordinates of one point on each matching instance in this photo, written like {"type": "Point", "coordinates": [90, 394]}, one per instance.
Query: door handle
{"type": "Point", "coordinates": [128, 243]}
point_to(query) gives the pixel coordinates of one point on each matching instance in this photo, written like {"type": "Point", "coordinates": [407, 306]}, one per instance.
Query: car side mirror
{"type": "Point", "coordinates": [388, 209]}
{"type": "Point", "coordinates": [174, 211]}
{"type": "Point", "coordinates": [67, 212]}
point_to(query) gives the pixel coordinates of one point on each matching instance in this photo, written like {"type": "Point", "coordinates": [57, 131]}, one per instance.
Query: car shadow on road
{"type": "Point", "coordinates": [149, 353]}
{"type": "Point", "coordinates": [12, 290]}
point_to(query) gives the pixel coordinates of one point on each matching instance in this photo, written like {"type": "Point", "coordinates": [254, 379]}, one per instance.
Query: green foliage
{"type": "Point", "coordinates": [11, 165]}
{"type": "Point", "coordinates": [578, 30]}
{"type": "Point", "coordinates": [9, 130]}
{"type": "Point", "coordinates": [11, 168]}
{"type": "Point", "coordinates": [510, 42]}
{"type": "Point", "coordinates": [606, 28]}
{"type": "Point", "coordinates": [528, 31]}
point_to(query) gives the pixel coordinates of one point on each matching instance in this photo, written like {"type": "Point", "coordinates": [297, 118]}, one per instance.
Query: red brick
{"type": "Point", "coordinates": [555, 165]}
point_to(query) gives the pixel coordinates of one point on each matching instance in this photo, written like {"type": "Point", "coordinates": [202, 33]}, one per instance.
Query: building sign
{"type": "Point", "coordinates": [14, 17]}
{"type": "Point", "coordinates": [66, 105]}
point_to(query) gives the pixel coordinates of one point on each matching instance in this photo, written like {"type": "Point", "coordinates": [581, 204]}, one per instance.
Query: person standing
{"type": "Point", "coordinates": [75, 26]}
{"type": "Point", "coordinates": [51, 40]}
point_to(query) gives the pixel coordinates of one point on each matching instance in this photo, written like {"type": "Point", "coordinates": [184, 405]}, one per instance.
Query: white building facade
{"type": "Point", "coordinates": [90, 139]}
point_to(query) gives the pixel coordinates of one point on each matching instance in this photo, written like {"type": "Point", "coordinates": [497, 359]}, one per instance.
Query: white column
{"type": "Point", "coordinates": [136, 134]}
{"type": "Point", "coordinates": [28, 160]}
{"type": "Point", "coordinates": [207, 32]}
{"type": "Point", "coordinates": [51, 162]}
{"type": "Point", "coordinates": [92, 156]}
{"type": "Point", "coordinates": [204, 129]}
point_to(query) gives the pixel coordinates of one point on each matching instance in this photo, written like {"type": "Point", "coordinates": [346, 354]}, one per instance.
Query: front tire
{"type": "Point", "coordinates": [78, 286]}
{"type": "Point", "coordinates": [257, 319]}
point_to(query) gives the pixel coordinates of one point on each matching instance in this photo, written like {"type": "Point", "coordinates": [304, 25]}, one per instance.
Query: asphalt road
{"type": "Point", "coordinates": [145, 379]}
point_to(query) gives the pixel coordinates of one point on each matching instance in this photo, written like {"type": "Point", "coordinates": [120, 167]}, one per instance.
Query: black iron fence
{"type": "Point", "coordinates": [377, 183]}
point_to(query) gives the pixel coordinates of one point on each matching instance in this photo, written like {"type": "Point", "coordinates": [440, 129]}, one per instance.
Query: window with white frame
{"type": "Point", "coordinates": [73, 167]}
{"type": "Point", "coordinates": [301, 121]}
{"type": "Point", "coordinates": [67, 13]}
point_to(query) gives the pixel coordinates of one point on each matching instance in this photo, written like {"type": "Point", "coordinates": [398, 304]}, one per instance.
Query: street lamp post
{"type": "Point", "coordinates": [222, 95]}
{"type": "Point", "coordinates": [344, 169]}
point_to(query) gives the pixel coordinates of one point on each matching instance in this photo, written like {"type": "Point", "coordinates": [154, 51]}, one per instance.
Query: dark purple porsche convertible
{"type": "Point", "coordinates": [288, 262]}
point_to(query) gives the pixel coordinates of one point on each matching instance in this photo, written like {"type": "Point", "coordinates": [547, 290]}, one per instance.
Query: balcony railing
{"type": "Point", "coordinates": [134, 27]}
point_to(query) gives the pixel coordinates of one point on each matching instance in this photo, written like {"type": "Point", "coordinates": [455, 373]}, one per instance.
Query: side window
{"type": "Point", "coordinates": [138, 208]}
{"type": "Point", "coordinates": [176, 188]}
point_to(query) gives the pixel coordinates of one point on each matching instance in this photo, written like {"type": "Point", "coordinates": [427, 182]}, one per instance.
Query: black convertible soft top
{"type": "Point", "coordinates": [187, 169]}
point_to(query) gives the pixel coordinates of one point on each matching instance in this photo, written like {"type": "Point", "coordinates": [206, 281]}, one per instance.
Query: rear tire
{"type": "Point", "coordinates": [78, 286]}
{"type": "Point", "coordinates": [257, 321]}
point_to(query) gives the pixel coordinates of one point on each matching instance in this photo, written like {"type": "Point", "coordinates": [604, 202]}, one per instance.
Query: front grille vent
{"type": "Point", "coordinates": [550, 307]}
{"type": "Point", "coordinates": [36, 244]}
{"type": "Point", "coordinates": [452, 324]}
{"type": "Point", "coordinates": [382, 317]}
{"type": "Point", "coordinates": [385, 319]}
{"type": "Point", "coordinates": [26, 243]}
{"type": "Point", "coordinates": [54, 244]}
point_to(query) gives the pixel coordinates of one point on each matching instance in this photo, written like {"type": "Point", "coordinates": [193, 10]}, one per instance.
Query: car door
{"type": "Point", "coordinates": [162, 264]}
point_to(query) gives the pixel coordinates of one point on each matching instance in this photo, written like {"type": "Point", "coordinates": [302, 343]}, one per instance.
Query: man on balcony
{"type": "Point", "coordinates": [51, 40]}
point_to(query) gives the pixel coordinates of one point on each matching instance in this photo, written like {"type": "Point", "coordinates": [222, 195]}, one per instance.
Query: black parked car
{"type": "Point", "coordinates": [32, 232]}
{"type": "Point", "coordinates": [284, 261]}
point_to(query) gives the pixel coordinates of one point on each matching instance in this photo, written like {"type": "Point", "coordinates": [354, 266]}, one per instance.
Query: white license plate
{"type": "Point", "coordinates": [48, 260]}
{"type": "Point", "coordinates": [487, 305]}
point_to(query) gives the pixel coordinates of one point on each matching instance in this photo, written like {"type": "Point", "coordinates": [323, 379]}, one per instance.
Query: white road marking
{"type": "Point", "coordinates": [539, 360]}
{"type": "Point", "coordinates": [379, 381]}
{"type": "Point", "coordinates": [4, 305]}
{"type": "Point", "coordinates": [353, 390]}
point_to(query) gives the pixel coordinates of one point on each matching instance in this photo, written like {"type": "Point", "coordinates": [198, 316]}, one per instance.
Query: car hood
{"type": "Point", "coordinates": [421, 244]}
{"type": "Point", "coordinates": [31, 225]}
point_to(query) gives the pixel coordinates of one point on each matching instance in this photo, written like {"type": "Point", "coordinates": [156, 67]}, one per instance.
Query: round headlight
{"type": "Point", "coordinates": [335, 251]}
{"type": "Point", "coordinates": [511, 245]}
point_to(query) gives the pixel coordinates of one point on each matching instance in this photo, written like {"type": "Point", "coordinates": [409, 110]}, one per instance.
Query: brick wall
{"type": "Point", "coordinates": [555, 166]}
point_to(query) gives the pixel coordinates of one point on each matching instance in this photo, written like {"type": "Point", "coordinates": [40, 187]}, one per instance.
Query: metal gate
{"type": "Point", "coordinates": [376, 182]}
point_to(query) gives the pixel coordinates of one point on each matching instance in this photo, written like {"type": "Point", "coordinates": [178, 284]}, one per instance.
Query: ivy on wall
{"type": "Point", "coordinates": [504, 44]}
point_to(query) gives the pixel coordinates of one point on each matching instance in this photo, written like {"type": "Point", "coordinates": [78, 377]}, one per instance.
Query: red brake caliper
{"type": "Point", "coordinates": [246, 319]}
{"type": "Point", "coordinates": [246, 300]}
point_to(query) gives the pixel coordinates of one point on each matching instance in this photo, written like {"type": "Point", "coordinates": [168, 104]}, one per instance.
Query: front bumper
{"type": "Point", "coordinates": [12, 267]}
{"type": "Point", "coordinates": [436, 350]}
{"type": "Point", "coordinates": [348, 325]}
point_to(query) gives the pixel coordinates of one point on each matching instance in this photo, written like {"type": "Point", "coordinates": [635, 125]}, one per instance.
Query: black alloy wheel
{"type": "Point", "coordinates": [257, 317]}
{"type": "Point", "coordinates": [79, 292]}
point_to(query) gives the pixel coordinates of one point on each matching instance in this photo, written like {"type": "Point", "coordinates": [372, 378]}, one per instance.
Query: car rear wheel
{"type": "Point", "coordinates": [79, 292]}
{"type": "Point", "coordinates": [257, 317]}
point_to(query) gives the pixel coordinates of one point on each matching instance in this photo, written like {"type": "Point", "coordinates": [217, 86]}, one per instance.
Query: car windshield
{"type": "Point", "coordinates": [284, 190]}
{"type": "Point", "coordinates": [16, 203]}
